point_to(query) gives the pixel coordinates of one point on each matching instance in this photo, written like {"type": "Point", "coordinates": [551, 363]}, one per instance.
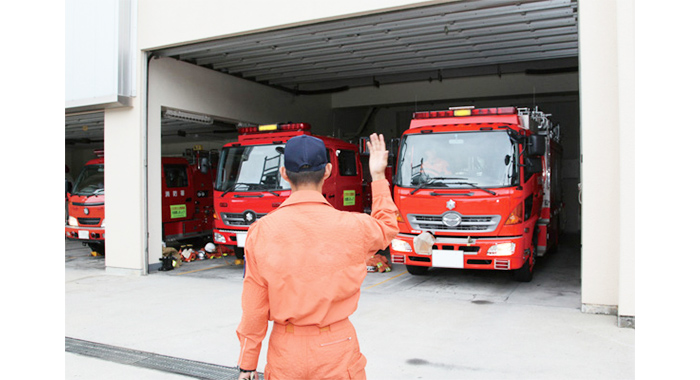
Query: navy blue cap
{"type": "Point", "coordinates": [305, 153]}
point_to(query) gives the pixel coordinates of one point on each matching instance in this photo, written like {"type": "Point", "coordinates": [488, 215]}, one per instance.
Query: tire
{"type": "Point", "coordinates": [417, 270]}
{"type": "Point", "coordinates": [524, 274]}
{"type": "Point", "coordinates": [240, 252]}
{"type": "Point", "coordinates": [98, 248]}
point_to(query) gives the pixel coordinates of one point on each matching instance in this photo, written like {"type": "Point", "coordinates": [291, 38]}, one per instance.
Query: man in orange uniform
{"type": "Point", "coordinates": [305, 263]}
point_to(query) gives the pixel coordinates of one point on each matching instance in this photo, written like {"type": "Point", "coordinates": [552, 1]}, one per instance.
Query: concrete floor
{"type": "Point", "coordinates": [449, 324]}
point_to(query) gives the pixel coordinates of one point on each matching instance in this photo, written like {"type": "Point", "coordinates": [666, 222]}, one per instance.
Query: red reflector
{"type": "Point", "coordinates": [398, 259]}
{"type": "Point", "coordinates": [295, 127]}
{"type": "Point", "coordinates": [421, 115]}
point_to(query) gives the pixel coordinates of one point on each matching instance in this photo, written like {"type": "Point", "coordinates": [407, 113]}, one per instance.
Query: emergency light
{"type": "Point", "coordinates": [459, 112]}
{"type": "Point", "coordinates": [275, 128]}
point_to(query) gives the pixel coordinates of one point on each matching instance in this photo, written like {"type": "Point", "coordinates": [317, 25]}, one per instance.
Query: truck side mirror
{"type": "Point", "coordinates": [393, 149]}
{"type": "Point", "coordinates": [69, 187]}
{"type": "Point", "coordinates": [204, 166]}
{"type": "Point", "coordinates": [533, 165]}
{"type": "Point", "coordinates": [362, 145]}
{"type": "Point", "coordinates": [536, 145]}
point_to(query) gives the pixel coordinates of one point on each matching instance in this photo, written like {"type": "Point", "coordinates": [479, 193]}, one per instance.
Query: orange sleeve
{"type": "Point", "coordinates": [256, 309]}
{"type": "Point", "coordinates": [384, 227]}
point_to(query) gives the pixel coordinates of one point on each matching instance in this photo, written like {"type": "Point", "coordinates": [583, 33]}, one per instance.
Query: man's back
{"type": "Point", "coordinates": [315, 263]}
{"type": "Point", "coordinates": [305, 263]}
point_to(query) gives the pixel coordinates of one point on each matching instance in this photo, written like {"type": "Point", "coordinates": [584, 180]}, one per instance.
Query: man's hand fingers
{"type": "Point", "coordinates": [376, 143]}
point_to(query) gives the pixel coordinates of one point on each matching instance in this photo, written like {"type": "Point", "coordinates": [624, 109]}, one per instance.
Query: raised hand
{"type": "Point", "coordinates": [378, 156]}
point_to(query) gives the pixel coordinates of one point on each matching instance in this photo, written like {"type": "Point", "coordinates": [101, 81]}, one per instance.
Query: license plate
{"type": "Point", "coordinates": [448, 259]}
{"type": "Point", "coordinates": [83, 234]}
{"type": "Point", "coordinates": [240, 238]}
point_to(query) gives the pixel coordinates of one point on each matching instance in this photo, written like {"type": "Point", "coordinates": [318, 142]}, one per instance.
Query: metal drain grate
{"type": "Point", "coordinates": [150, 360]}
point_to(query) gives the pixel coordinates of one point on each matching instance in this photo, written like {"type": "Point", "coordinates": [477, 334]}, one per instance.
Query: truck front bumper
{"type": "Point", "coordinates": [86, 234]}
{"type": "Point", "coordinates": [234, 238]}
{"type": "Point", "coordinates": [463, 252]}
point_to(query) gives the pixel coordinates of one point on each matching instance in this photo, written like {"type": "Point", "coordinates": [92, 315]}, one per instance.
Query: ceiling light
{"type": "Point", "coordinates": [187, 116]}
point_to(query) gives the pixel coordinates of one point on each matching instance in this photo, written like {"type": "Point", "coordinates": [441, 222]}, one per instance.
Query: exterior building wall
{"type": "Point", "coordinates": [606, 89]}
{"type": "Point", "coordinates": [607, 175]}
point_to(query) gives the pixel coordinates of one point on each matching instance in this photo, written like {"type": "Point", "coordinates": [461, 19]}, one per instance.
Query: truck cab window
{"type": "Point", "coordinates": [175, 175]}
{"type": "Point", "coordinates": [251, 168]}
{"type": "Point", "coordinates": [483, 158]}
{"type": "Point", "coordinates": [90, 181]}
{"type": "Point", "coordinates": [347, 163]}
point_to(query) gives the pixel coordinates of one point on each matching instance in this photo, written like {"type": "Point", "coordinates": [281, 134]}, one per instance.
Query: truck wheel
{"type": "Point", "coordinates": [239, 252]}
{"type": "Point", "coordinates": [417, 270]}
{"type": "Point", "coordinates": [97, 248]}
{"type": "Point", "coordinates": [524, 274]}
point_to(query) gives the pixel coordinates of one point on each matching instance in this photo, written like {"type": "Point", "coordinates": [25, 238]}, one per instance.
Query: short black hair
{"type": "Point", "coordinates": [303, 178]}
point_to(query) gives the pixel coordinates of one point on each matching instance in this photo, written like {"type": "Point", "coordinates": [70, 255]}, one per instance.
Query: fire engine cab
{"type": "Point", "coordinates": [187, 204]}
{"type": "Point", "coordinates": [477, 189]}
{"type": "Point", "coordinates": [249, 185]}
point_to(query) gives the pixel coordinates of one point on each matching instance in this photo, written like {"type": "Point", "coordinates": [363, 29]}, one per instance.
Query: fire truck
{"type": "Point", "coordinates": [249, 185]}
{"type": "Point", "coordinates": [477, 188]}
{"type": "Point", "coordinates": [187, 204]}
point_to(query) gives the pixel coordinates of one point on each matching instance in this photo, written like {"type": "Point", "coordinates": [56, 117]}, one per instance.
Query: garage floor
{"type": "Point", "coordinates": [449, 324]}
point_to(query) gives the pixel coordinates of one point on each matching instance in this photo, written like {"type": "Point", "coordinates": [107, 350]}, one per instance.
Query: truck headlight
{"type": "Point", "coordinates": [219, 238]}
{"type": "Point", "coordinates": [400, 245]}
{"type": "Point", "coordinates": [103, 223]}
{"type": "Point", "coordinates": [502, 249]}
{"type": "Point", "coordinates": [72, 221]}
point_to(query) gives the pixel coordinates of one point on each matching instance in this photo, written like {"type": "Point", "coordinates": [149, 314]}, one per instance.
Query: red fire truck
{"type": "Point", "coordinates": [187, 203]}
{"type": "Point", "coordinates": [248, 183]}
{"type": "Point", "coordinates": [481, 189]}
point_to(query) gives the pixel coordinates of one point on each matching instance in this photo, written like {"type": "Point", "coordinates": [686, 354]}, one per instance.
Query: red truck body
{"type": "Point", "coordinates": [248, 184]}
{"type": "Point", "coordinates": [187, 204]}
{"type": "Point", "coordinates": [483, 183]}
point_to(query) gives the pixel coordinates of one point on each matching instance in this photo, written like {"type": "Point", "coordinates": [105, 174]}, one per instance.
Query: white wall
{"type": "Point", "coordinates": [607, 96]}
{"type": "Point", "coordinates": [124, 190]}
{"type": "Point", "coordinates": [626, 59]}
{"type": "Point", "coordinates": [99, 53]}
{"type": "Point", "coordinates": [205, 19]}
{"type": "Point", "coordinates": [471, 87]}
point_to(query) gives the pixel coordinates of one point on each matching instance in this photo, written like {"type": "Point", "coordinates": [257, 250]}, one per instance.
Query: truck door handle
{"type": "Point", "coordinates": [330, 195]}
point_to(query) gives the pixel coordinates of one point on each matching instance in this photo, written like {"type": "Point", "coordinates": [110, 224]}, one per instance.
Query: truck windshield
{"type": "Point", "coordinates": [482, 159]}
{"type": "Point", "coordinates": [90, 181]}
{"type": "Point", "coordinates": [251, 168]}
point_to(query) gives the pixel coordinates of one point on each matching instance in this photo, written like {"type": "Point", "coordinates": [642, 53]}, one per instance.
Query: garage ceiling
{"type": "Point", "coordinates": [433, 42]}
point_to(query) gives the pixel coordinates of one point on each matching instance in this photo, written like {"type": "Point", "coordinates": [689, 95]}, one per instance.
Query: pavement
{"type": "Point", "coordinates": [448, 324]}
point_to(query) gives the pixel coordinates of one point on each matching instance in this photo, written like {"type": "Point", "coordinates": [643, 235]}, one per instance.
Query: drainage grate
{"type": "Point", "coordinates": [158, 362]}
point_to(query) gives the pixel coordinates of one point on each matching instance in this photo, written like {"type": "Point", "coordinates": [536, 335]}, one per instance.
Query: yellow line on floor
{"type": "Point", "coordinates": [387, 280]}
{"type": "Point", "coordinates": [199, 270]}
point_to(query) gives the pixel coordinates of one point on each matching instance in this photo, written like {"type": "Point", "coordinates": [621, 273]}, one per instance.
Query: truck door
{"type": "Point", "coordinates": [347, 176]}
{"type": "Point", "coordinates": [177, 194]}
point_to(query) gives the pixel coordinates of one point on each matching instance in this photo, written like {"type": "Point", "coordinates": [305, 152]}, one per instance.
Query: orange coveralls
{"type": "Point", "coordinates": [305, 263]}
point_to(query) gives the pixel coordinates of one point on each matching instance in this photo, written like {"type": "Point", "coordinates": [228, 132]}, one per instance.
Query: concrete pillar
{"type": "Point", "coordinates": [607, 150]}
{"type": "Point", "coordinates": [627, 196]}
{"type": "Point", "coordinates": [125, 228]}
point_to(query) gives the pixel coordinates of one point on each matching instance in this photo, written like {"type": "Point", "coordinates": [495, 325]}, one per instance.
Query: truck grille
{"type": "Point", "coordinates": [475, 223]}
{"type": "Point", "coordinates": [89, 221]}
{"type": "Point", "coordinates": [237, 219]}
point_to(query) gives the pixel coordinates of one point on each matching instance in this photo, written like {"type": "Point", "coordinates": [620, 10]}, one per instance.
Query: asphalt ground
{"type": "Point", "coordinates": [448, 324]}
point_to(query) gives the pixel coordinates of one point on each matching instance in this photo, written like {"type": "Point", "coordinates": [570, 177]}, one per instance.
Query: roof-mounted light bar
{"type": "Point", "coordinates": [274, 128]}
{"type": "Point", "coordinates": [465, 111]}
